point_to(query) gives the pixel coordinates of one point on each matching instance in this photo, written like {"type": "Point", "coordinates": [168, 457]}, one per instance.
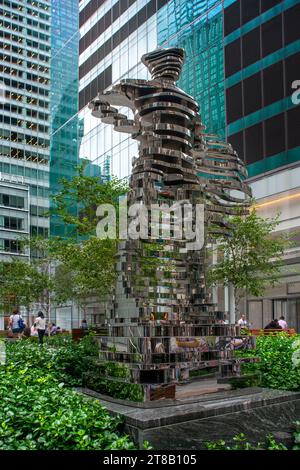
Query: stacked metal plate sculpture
{"type": "Point", "coordinates": [163, 322]}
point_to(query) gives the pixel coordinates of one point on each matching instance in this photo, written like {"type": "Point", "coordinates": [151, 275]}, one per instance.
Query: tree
{"type": "Point", "coordinates": [82, 264]}
{"type": "Point", "coordinates": [251, 258]}
{"type": "Point", "coordinates": [78, 199]}
{"type": "Point", "coordinates": [22, 283]}
{"type": "Point", "coordinates": [84, 269]}
{"type": "Point", "coordinates": [72, 268]}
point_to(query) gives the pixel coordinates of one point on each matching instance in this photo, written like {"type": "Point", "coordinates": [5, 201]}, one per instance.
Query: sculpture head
{"type": "Point", "coordinates": [165, 63]}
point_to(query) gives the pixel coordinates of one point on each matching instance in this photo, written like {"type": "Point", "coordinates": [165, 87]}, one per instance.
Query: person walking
{"type": "Point", "coordinates": [40, 325]}
{"type": "Point", "coordinates": [283, 323]}
{"type": "Point", "coordinates": [16, 323]}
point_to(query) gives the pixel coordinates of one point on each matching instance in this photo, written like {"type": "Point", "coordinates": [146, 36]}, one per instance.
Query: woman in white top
{"type": "Point", "coordinates": [40, 325]}
{"type": "Point", "coordinates": [14, 321]}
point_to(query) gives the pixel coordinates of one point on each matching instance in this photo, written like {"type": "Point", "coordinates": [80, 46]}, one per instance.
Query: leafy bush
{"type": "Point", "coordinates": [241, 443]}
{"type": "Point", "coordinates": [64, 357]}
{"type": "Point", "coordinates": [38, 411]}
{"type": "Point", "coordinates": [278, 364]}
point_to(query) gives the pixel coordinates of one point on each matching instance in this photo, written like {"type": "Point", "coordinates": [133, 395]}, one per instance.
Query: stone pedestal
{"type": "Point", "coordinates": [188, 423]}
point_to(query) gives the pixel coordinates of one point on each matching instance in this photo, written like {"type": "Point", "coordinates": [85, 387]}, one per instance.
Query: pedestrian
{"type": "Point", "coordinates": [242, 321]}
{"type": "Point", "coordinates": [273, 325]}
{"type": "Point", "coordinates": [40, 325]}
{"type": "Point", "coordinates": [16, 323]}
{"type": "Point", "coordinates": [283, 323]}
{"type": "Point", "coordinates": [84, 325]}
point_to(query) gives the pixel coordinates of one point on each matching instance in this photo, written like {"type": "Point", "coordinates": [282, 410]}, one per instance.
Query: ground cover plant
{"type": "Point", "coordinates": [38, 408]}
{"type": "Point", "coordinates": [240, 442]}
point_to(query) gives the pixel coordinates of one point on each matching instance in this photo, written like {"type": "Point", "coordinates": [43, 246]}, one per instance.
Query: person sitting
{"type": "Point", "coordinates": [53, 329]}
{"type": "Point", "coordinates": [273, 325]}
{"type": "Point", "coordinates": [283, 323]}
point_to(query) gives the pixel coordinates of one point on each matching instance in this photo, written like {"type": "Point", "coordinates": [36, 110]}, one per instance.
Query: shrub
{"type": "Point", "coordinates": [278, 364]}
{"type": "Point", "coordinates": [38, 411]}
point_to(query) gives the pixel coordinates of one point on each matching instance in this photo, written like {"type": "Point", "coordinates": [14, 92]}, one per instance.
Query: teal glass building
{"type": "Point", "coordinates": [197, 26]}
{"type": "Point", "coordinates": [66, 129]}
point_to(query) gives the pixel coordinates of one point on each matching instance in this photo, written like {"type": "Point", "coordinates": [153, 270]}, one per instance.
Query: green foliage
{"type": "Point", "coordinates": [77, 364]}
{"type": "Point", "coordinates": [276, 367]}
{"type": "Point", "coordinates": [38, 411]}
{"type": "Point", "coordinates": [241, 443]}
{"type": "Point", "coordinates": [251, 258]}
{"type": "Point", "coordinates": [84, 268]}
{"type": "Point", "coordinates": [78, 199]}
{"type": "Point", "coordinates": [245, 381]}
{"type": "Point", "coordinates": [103, 378]}
{"type": "Point", "coordinates": [22, 283]}
{"type": "Point", "coordinates": [62, 356]}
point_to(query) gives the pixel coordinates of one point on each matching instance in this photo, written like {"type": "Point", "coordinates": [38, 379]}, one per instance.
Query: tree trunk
{"type": "Point", "coordinates": [237, 298]}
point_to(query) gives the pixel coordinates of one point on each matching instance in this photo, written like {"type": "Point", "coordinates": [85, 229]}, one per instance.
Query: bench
{"type": "Point", "coordinates": [162, 391]}
{"type": "Point", "coordinates": [258, 332]}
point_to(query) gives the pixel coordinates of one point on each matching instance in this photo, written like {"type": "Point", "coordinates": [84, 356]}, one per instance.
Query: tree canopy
{"type": "Point", "coordinates": [251, 258]}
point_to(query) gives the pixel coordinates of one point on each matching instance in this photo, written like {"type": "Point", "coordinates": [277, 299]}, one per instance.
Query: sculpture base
{"type": "Point", "coordinates": [188, 423]}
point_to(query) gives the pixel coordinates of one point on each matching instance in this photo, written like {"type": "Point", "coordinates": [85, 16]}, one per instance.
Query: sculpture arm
{"type": "Point", "coordinates": [102, 108]}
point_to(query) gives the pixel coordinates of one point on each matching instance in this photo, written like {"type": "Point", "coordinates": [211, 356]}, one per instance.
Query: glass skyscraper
{"type": "Point", "coordinates": [65, 125]}
{"type": "Point", "coordinates": [25, 31]}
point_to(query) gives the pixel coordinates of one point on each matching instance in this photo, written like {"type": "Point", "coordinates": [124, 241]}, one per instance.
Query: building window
{"type": "Point", "coordinates": [251, 47]}
{"type": "Point", "coordinates": [237, 142]}
{"type": "Point", "coordinates": [232, 18]}
{"type": "Point", "coordinates": [12, 223]}
{"type": "Point", "coordinates": [234, 103]}
{"type": "Point", "coordinates": [275, 135]}
{"type": "Point", "coordinates": [233, 57]}
{"type": "Point", "coordinates": [273, 83]}
{"type": "Point", "coordinates": [10, 246]}
{"type": "Point", "coordinates": [254, 143]}
{"type": "Point", "coordinates": [252, 94]}
{"type": "Point", "coordinates": [9, 200]}
{"type": "Point", "coordinates": [291, 24]}
{"type": "Point", "coordinates": [250, 10]}
{"type": "Point", "coordinates": [293, 120]}
{"type": "Point", "coordinates": [272, 35]}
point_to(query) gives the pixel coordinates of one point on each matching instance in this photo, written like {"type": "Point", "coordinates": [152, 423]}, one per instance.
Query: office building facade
{"type": "Point", "coordinates": [25, 30]}
{"type": "Point", "coordinates": [242, 58]}
{"type": "Point", "coordinates": [262, 62]}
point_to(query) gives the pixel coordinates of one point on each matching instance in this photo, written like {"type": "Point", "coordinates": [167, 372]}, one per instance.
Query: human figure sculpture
{"type": "Point", "coordinates": [176, 162]}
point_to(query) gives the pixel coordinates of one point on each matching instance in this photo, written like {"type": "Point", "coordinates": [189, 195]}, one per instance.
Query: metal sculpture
{"type": "Point", "coordinates": [163, 322]}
